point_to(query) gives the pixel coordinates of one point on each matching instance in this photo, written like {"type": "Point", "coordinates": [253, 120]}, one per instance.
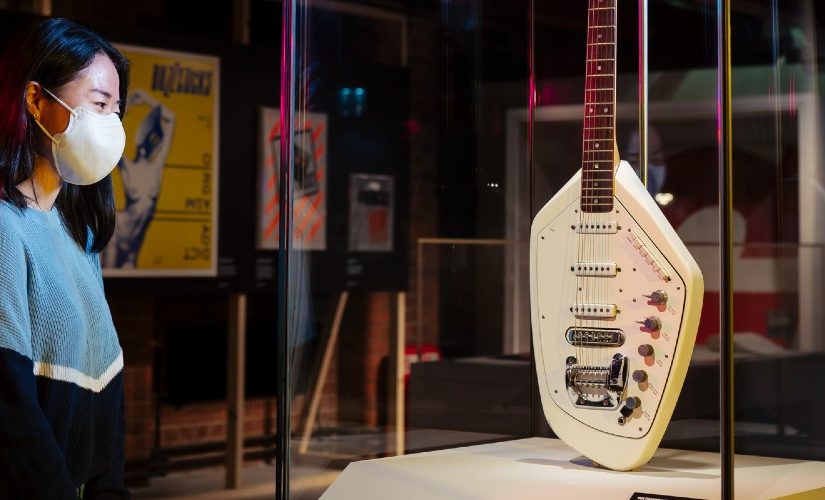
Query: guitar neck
{"type": "Point", "coordinates": [599, 108]}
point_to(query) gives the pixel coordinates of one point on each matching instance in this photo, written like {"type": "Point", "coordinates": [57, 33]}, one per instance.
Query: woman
{"type": "Point", "coordinates": [61, 383]}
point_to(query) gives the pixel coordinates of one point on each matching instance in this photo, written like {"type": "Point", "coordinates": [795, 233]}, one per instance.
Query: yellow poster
{"type": "Point", "coordinates": [166, 184]}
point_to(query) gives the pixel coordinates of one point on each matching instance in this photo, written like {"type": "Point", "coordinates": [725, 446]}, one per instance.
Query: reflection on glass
{"type": "Point", "coordinates": [431, 171]}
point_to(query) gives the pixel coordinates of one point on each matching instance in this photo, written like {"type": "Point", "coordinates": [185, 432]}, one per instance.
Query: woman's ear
{"type": "Point", "coordinates": [34, 99]}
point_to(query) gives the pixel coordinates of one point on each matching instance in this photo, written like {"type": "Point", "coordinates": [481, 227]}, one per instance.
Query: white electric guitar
{"type": "Point", "coordinates": [615, 296]}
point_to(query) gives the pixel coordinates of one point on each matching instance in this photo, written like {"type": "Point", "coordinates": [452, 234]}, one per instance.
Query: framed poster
{"type": "Point", "coordinates": [371, 201]}
{"type": "Point", "coordinates": [310, 180]}
{"type": "Point", "coordinates": [166, 184]}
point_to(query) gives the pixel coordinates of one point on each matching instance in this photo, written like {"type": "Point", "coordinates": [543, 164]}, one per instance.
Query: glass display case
{"type": "Point", "coordinates": [432, 133]}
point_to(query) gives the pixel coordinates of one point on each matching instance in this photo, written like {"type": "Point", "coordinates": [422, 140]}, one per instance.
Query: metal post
{"type": "Point", "coordinates": [42, 7]}
{"type": "Point", "coordinates": [282, 437]}
{"type": "Point", "coordinates": [397, 378]}
{"type": "Point", "coordinates": [240, 21]}
{"type": "Point", "coordinates": [643, 97]}
{"type": "Point", "coordinates": [724, 124]}
{"type": "Point", "coordinates": [236, 362]}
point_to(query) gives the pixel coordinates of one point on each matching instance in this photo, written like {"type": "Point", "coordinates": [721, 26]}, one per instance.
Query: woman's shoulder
{"type": "Point", "coordinates": [12, 235]}
{"type": "Point", "coordinates": [11, 218]}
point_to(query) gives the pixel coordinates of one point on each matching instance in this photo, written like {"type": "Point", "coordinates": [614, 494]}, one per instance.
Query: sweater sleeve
{"type": "Point", "coordinates": [32, 465]}
{"type": "Point", "coordinates": [108, 485]}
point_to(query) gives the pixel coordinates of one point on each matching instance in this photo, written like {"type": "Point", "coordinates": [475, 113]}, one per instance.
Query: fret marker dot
{"type": "Point", "coordinates": [590, 110]}
{"type": "Point", "coordinates": [597, 145]}
{"type": "Point", "coordinates": [605, 110]}
{"type": "Point", "coordinates": [600, 35]}
{"type": "Point", "coordinates": [597, 165]}
{"type": "Point", "coordinates": [599, 68]}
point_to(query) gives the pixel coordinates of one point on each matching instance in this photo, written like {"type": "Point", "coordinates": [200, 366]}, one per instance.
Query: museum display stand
{"type": "Point", "coordinates": [544, 468]}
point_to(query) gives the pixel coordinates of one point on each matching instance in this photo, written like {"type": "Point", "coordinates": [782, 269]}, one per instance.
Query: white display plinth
{"type": "Point", "coordinates": [546, 468]}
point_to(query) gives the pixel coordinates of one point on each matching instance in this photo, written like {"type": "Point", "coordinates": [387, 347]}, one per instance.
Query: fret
{"type": "Point", "coordinates": [598, 121]}
{"type": "Point", "coordinates": [600, 66]}
{"type": "Point", "coordinates": [600, 52]}
{"type": "Point", "coordinates": [600, 43]}
{"type": "Point", "coordinates": [599, 135]}
{"type": "Point", "coordinates": [602, 8]}
{"type": "Point", "coordinates": [602, 59]}
{"type": "Point", "coordinates": [602, 26]}
{"type": "Point", "coordinates": [598, 90]}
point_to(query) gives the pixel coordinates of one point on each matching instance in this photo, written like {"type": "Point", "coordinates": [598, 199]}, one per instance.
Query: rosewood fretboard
{"type": "Point", "coordinates": [599, 103]}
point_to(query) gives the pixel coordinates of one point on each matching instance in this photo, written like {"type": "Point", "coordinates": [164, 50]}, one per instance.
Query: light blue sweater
{"type": "Point", "coordinates": [61, 385]}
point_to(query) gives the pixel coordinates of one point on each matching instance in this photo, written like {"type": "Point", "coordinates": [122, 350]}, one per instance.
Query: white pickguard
{"type": "Point", "coordinates": [555, 248]}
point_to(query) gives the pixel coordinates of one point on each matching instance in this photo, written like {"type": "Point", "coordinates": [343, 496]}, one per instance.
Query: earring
{"type": "Point", "coordinates": [36, 116]}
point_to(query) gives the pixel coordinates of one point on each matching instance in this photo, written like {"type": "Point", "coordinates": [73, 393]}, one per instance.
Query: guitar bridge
{"type": "Point", "coordinates": [597, 387]}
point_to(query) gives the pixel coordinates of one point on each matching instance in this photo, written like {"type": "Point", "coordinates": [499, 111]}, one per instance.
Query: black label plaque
{"type": "Point", "coordinates": [656, 496]}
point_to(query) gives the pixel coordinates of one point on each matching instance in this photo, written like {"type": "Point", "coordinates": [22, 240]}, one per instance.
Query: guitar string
{"type": "Point", "coordinates": [586, 183]}
{"type": "Point", "coordinates": [580, 234]}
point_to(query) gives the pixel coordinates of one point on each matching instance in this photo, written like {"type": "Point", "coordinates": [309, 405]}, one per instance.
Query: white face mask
{"type": "Point", "coordinates": [89, 148]}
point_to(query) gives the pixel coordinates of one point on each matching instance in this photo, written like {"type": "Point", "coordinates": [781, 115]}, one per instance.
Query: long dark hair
{"type": "Point", "coordinates": [52, 52]}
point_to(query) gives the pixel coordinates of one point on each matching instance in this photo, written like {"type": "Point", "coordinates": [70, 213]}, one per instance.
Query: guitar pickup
{"type": "Point", "coordinates": [609, 227]}
{"type": "Point", "coordinates": [594, 337]}
{"type": "Point", "coordinates": [603, 269]}
{"type": "Point", "coordinates": [594, 311]}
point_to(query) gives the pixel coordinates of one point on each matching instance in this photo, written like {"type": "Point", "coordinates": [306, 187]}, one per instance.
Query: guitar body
{"type": "Point", "coordinates": [615, 305]}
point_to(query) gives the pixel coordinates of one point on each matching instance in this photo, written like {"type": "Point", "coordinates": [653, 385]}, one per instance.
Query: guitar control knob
{"type": "Point", "coordinates": [633, 403]}
{"type": "Point", "coordinates": [646, 350]}
{"type": "Point", "coordinates": [639, 376]}
{"type": "Point", "coordinates": [657, 298]}
{"type": "Point", "coordinates": [652, 323]}
{"type": "Point", "coordinates": [625, 411]}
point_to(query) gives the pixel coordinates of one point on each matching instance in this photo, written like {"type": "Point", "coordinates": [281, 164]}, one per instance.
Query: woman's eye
{"type": "Point", "coordinates": [101, 104]}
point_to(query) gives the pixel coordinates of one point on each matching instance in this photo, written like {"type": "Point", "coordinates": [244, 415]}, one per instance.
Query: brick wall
{"type": "Point", "coordinates": [136, 319]}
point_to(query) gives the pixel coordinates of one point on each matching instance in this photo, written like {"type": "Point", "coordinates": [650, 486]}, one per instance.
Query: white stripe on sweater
{"type": "Point", "coordinates": [74, 376]}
